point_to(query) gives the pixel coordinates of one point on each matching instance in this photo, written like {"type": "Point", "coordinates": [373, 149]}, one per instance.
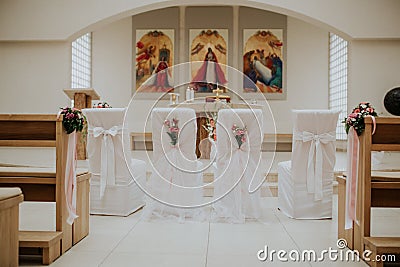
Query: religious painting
{"type": "Point", "coordinates": [208, 56]}
{"type": "Point", "coordinates": [153, 56]}
{"type": "Point", "coordinates": [263, 61]}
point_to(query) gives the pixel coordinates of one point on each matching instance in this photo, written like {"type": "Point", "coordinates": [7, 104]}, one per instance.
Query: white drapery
{"type": "Point", "coordinates": [175, 188]}
{"type": "Point", "coordinates": [237, 169]}
{"type": "Point", "coordinates": [305, 183]}
{"type": "Point", "coordinates": [113, 189]}
{"type": "Point", "coordinates": [315, 159]}
{"type": "Point", "coordinates": [107, 170]}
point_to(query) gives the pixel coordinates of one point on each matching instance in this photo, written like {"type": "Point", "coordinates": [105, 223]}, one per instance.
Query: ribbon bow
{"type": "Point", "coordinates": [107, 172]}
{"type": "Point", "coordinates": [314, 165]}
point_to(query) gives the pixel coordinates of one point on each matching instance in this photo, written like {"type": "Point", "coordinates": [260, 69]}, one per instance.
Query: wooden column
{"type": "Point", "coordinates": [82, 99]}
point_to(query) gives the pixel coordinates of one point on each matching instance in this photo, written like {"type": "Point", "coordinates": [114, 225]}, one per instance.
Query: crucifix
{"type": "Point", "coordinates": [217, 92]}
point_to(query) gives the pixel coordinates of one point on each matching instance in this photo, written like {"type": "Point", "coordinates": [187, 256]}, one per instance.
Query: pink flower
{"type": "Point", "coordinates": [356, 110]}
{"type": "Point", "coordinates": [70, 116]}
{"type": "Point", "coordinates": [166, 122]}
{"type": "Point", "coordinates": [370, 110]}
{"type": "Point", "coordinates": [241, 131]}
{"type": "Point", "coordinates": [234, 127]}
{"type": "Point", "coordinates": [353, 115]}
{"type": "Point", "coordinates": [174, 129]}
{"type": "Point", "coordinates": [243, 139]}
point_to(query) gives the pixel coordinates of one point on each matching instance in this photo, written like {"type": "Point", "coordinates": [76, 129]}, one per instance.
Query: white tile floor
{"type": "Point", "coordinates": [129, 241]}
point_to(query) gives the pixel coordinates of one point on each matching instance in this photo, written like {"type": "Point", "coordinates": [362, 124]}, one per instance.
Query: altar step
{"type": "Point", "coordinates": [268, 189]}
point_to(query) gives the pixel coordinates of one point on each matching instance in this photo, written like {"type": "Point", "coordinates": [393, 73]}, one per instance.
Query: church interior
{"type": "Point", "coordinates": [199, 133]}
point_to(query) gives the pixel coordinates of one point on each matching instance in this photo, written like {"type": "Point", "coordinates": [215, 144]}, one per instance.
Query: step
{"type": "Point", "coordinates": [382, 246]}
{"type": "Point", "coordinates": [47, 241]}
{"type": "Point", "coordinates": [268, 189]}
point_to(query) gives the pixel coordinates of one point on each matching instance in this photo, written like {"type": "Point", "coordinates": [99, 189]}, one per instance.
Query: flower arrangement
{"type": "Point", "coordinates": [102, 105]}
{"type": "Point", "coordinates": [356, 117]}
{"type": "Point", "coordinates": [73, 120]}
{"type": "Point", "coordinates": [239, 134]}
{"type": "Point", "coordinates": [173, 130]}
{"type": "Point", "coordinates": [210, 125]}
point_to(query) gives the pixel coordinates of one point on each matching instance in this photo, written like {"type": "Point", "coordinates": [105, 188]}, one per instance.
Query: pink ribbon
{"type": "Point", "coordinates": [70, 179]}
{"type": "Point", "coordinates": [352, 174]}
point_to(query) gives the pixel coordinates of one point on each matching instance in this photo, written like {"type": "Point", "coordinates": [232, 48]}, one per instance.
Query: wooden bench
{"type": "Point", "coordinates": [343, 233]}
{"type": "Point", "coordinates": [45, 184]}
{"type": "Point", "coordinates": [386, 247]}
{"type": "Point", "coordinates": [375, 189]}
{"type": "Point", "coordinates": [47, 242]}
{"type": "Point", "coordinates": [10, 198]}
{"type": "Point", "coordinates": [384, 188]}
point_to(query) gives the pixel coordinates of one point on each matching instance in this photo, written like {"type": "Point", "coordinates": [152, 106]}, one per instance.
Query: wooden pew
{"type": "Point", "coordinates": [376, 189]}
{"type": "Point", "coordinates": [10, 198]}
{"type": "Point", "coordinates": [44, 184]}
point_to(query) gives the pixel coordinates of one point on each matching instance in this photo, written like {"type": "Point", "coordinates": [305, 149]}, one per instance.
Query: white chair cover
{"type": "Point", "coordinates": [175, 187]}
{"type": "Point", "coordinates": [113, 190]}
{"type": "Point", "coordinates": [237, 170]}
{"type": "Point", "coordinates": [305, 183]}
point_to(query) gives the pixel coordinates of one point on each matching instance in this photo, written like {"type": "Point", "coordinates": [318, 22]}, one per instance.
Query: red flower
{"type": "Point", "coordinates": [139, 45]}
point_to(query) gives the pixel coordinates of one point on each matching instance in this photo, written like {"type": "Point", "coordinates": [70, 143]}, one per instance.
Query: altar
{"type": "Point", "coordinates": [204, 109]}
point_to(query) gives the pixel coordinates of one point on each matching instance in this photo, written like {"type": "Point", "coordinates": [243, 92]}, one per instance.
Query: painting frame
{"type": "Point", "coordinates": [263, 63]}
{"type": "Point", "coordinates": [153, 54]}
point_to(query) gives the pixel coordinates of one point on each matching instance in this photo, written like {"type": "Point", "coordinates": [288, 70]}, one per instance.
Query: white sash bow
{"type": "Point", "coordinates": [314, 165]}
{"type": "Point", "coordinates": [107, 172]}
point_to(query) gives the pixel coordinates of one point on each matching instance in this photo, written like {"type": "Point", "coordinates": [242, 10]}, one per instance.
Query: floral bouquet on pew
{"type": "Point", "coordinates": [102, 105]}
{"type": "Point", "coordinates": [73, 120]}
{"type": "Point", "coordinates": [239, 134]}
{"type": "Point", "coordinates": [173, 130]}
{"type": "Point", "coordinates": [356, 117]}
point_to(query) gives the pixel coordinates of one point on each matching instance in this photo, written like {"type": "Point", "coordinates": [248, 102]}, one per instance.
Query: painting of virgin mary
{"type": "Point", "coordinates": [208, 49]}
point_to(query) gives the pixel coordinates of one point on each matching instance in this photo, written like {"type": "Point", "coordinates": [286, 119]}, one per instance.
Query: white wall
{"type": "Point", "coordinates": [63, 19]}
{"type": "Point", "coordinates": [112, 62]}
{"type": "Point", "coordinates": [32, 76]}
{"type": "Point", "coordinates": [307, 71]}
{"type": "Point", "coordinates": [374, 69]}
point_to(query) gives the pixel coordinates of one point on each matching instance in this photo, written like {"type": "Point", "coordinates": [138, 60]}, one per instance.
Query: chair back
{"type": "Point", "coordinates": [228, 146]}
{"type": "Point", "coordinates": [314, 133]}
{"type": "Point", "coordinates": [186, 141]}
{"type": "Point", "coordinates": [105, 131]}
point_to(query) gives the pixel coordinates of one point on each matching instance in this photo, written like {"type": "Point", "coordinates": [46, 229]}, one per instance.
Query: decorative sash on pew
{"type": "Point", "coordinates": [352, 175]}
{"type": "Point", "coordinates": [70, 179]}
